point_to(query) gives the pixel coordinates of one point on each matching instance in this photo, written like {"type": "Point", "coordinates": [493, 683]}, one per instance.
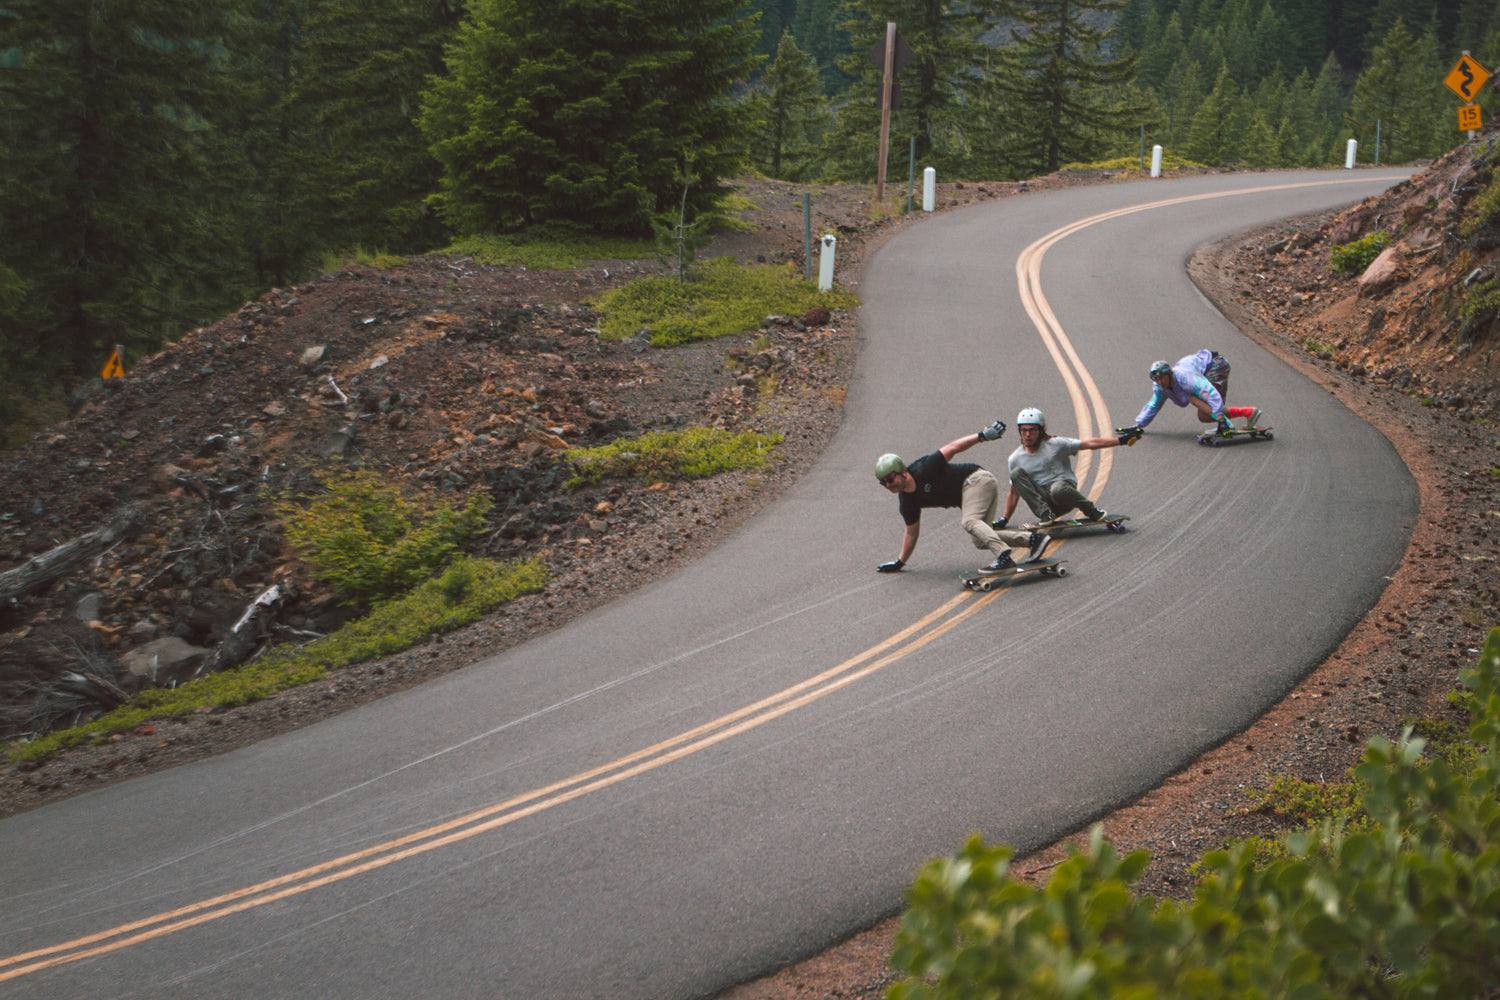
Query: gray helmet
{"type": "Point", "coordinates": [887, 464]}
{"type": "Point", "coordinates": [1160, 368]}
{"type": "Point", "coordinates": [1031, 415]}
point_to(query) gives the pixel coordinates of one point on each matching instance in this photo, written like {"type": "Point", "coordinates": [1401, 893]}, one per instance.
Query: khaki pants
{"type": "Point", "coordinates": [981, 499]}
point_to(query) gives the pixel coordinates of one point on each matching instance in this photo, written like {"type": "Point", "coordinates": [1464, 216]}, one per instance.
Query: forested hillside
{"type": "Point", "coordinates": [161, 163]}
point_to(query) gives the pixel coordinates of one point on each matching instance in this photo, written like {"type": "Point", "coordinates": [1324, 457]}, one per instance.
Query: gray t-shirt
{"type": "Point", "coordinates": [1051, 460]}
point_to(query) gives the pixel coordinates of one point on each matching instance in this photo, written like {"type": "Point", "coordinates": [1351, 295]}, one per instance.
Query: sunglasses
{"type": "Point", "coordinates": [892, 479]}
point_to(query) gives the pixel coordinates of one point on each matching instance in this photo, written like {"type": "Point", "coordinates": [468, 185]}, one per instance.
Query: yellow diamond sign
{"type": "Point", "coordinates": [1466, 77]}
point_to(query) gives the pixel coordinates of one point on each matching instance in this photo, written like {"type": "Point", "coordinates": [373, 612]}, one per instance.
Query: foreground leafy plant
{"type": "Point", "coordinates": [1408, 905]}
{"type": "Point", "coordinates": [695, 453]}
{"type": "Point", "coordinates": [1353, 258]}
{"type": "Point", "coordinates": [719, 299]}
{"type": "Point", "coordinates": [465, 592]}
{"type": "Point", "coordinates": [365, 540]}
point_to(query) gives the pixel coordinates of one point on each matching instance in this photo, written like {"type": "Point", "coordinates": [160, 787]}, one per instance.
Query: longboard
{"type": "Point", "coordinates": [987, 582]}
{"type": "Point", "coordinates": [1215, 438]}
{"type": "Point", "coordinates": [1114, 522]}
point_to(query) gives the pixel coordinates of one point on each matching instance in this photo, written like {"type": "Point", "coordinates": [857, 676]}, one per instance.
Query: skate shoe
{"type": "Point", "coordinates": [1002, 562]}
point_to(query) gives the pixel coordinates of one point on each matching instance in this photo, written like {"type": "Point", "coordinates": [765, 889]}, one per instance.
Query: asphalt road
{"type": "Point", "coordinates": [749, 760]}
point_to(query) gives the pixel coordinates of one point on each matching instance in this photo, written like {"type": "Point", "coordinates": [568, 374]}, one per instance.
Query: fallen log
{"type": "Point", "coordinates": [39, 571]}
{"type": "Point", "coordinates": [244, 637]}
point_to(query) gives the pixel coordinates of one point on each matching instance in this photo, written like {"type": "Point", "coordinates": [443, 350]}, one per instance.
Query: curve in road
{"type": "Point", "coordinates": [514, 829]}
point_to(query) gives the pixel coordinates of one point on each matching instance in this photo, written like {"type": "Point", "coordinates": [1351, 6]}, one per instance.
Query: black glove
{"type": "Point", "coordinates": [894, 566]}
{"type": "Point", "coordinates": [993, 431]}
{"type": "Point", "coordinates": [1129, 435]}
{"type": "Point", "coordinates": [997, 525]}
{"type": "Point", "coordinates": [1225, 426]}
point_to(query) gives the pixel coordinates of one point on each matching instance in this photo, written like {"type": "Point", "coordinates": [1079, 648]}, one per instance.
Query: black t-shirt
{"type": "Point", "coordinates": [939, 484]}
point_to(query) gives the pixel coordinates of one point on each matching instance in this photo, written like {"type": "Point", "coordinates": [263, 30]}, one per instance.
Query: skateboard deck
{"type": "Point", "coordinates": [987, 582]}
{"type": "Point", "coordinates": [1114, 522]}
{"type": "Point", "coordinates": [1214, 438]}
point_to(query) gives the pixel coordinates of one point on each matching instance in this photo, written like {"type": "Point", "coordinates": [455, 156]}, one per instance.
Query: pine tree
{"type": "Point", "coordinates": [1060, 87]}
{"type": "Point", "coordinates": [367, 170]}
{"type": "Point", "coordinates": [269, 128]}
{"type": "Point", "coordinates": [790, 114]}
{"type": "Point", "coordinates": [820, 31]}
{"type": "Point", "coordinates": [1218, 125]}
{"type": "Point", "coordinates": [1394, 96]}
{"type": "Point", "coordinates": [107, 187]}
{"type": "Point", "coordinates": [947, 61]}
{"type": "Point", "coordinates": [583, 111]}
{"type": "Point", "coordinates": [1159, 56]}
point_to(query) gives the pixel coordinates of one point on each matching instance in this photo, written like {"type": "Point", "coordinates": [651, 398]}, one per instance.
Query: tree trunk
{"type": "Point", "coordinates": [41, 570]}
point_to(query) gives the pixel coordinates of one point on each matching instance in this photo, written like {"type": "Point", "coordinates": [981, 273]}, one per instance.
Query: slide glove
{"type": "Point", "coordinates": [993, 431]}
{"type": "Point", "coordinates": [894, 566]}
{"type": "Point", "coordinates": [1224, 425]}
{"type": "Point", "coordinates": [1129, 435]}
{"type": "Point", "coordinates": [997, 525]}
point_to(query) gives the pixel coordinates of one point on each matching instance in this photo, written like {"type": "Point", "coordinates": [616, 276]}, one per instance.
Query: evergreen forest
{"type": "Point", "coordinates": [161, 161]}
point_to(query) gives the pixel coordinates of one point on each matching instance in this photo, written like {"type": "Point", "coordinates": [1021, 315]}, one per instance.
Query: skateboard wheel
{"type": "Point", "coordinates": [1060, 571]}
{"type": "Point", "coordinates": [1268, 435]}
{"type": "Point", "coordinates": [986, 586]}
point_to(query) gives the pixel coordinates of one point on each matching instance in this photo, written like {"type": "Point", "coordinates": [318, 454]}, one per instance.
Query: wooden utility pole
{"type": "Point", "coordinates": [885, 107]}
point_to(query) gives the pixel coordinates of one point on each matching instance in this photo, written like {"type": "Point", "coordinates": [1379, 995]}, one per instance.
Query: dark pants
{"type": "Point", "coordinates": [1218, 374]}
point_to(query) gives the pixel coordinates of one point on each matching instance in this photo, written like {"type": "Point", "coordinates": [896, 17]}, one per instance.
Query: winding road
{"type": "Point", "coordinates": [746, 762]}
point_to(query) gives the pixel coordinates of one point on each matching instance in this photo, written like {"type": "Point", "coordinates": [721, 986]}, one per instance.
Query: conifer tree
{"type": "Point", "coordinates": [947, 62]}
{"type": "Point", "coordinates": [821, 33]}
{"type": "Point", "coordinates": [1394, 96]}
{"type": "Point", "coordinates": [790, 113]}
{"type": "Point", "coordinates": [366, 169]}
{"type": "Point", "coordinates": [1061, 88]}
{"type": "Point", "coordinates": [1218, 125]}
{"type": "Point", "coordinates": [108, 190]}
{"type": "Point", "coordinates": [270, 129]}
{"type": "Point", "coordinates": [582, 111]}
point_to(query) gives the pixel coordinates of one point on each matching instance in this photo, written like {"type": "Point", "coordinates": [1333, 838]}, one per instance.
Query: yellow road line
{"type": "Point", "coordinates": [1090, 412]}
{"type": "Point", "coordinates": [898, 646]}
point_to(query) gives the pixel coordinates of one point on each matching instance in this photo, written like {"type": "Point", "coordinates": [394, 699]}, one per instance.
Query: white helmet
{"type": "Point", "coordinates": [1031, 415]}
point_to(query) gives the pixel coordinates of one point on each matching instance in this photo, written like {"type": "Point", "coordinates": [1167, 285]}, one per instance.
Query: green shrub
{"type": "Point", "coordinates": [1292, 800]}
{"type": "Point", "coordinates": [465, 592]}
{"type": "Point", "coordinates": [362, 538]}
{"type": "Point", "coordinates": [719, 299]}
{"type": "Point", "coordinates": [1480, 306]}
{"type": "Point", "coordinates": [379, 260]}
{"type": "Point", "coordinates": [695, 453]}
{"type": "Point", "coordinates": [1405, 903]}
{"type": "Point", "coordinates": [1353, 258]}
{"type": "Point", "coordinates": [1482, 209]}
{"type": "Point", "coordinates": [548, 248]}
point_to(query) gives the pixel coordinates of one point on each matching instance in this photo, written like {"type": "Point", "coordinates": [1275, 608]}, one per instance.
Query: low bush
{"type": "Point", "coordinates": [369, 543]}
{"type": "Point", "coordinates": [1353, 258]}
{"type": "Point", "coordinates": [548, 248]}
{"type": "Point", "coordinates": [1405, 902]}
{"type": "Point", "coordinates": [718, 299]}
{"type": "Point", "coordinates": [695, 453]}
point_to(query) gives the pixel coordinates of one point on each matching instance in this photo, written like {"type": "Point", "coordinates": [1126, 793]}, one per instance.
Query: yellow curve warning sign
{"type": "Point", "coordinates": [1466, 77]}
{"type": "Point", "coordinates": [114, 367]}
